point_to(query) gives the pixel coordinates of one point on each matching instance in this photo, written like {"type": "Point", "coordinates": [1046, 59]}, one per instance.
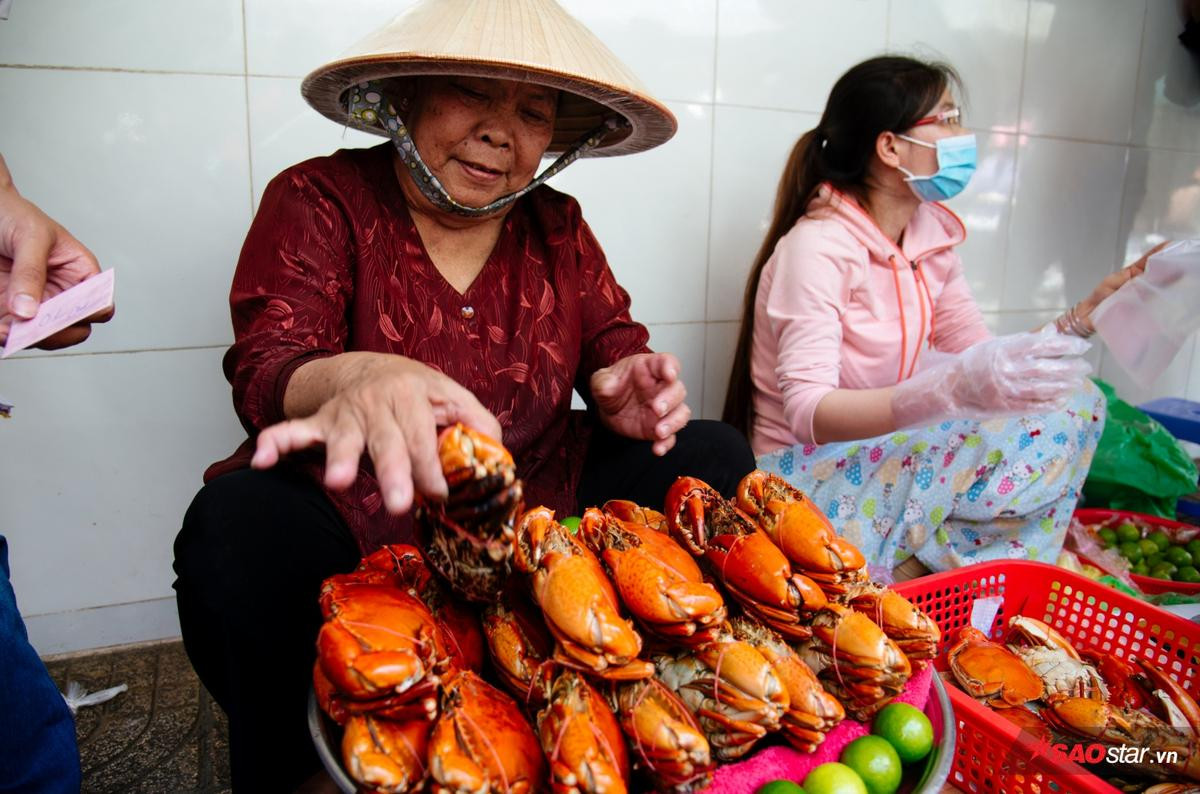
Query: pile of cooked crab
{"type": "Point", "coordinates": [1037, 679]}
{"type": "Point", "coordinates": [514, 655]}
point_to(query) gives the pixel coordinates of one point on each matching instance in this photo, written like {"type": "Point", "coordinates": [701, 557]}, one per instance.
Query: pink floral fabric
{"type": "Point", "coordinates": [334, 263]}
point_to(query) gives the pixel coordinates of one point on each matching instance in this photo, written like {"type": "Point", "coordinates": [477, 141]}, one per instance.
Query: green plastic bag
{"type": "Point", "coordinates": [1139, 465]}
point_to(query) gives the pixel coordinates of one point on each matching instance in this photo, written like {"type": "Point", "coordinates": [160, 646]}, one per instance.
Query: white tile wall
{"type": "Point", "coordinates": [102, 456]}
{"type": "Point", "coordinates": [650, 212]}
{"type": "Point", "coordinates": [990, 65]}
{"type": "Point", "coordinates": [786, 54]}
{"type": "Point", "coordinates": [151, 171]}
{"type": "Point", "coordinates": [1086, 50]}
{"type": "Point", "coordinates": [149, 35]}
{"type": "Point", "coordinates": [151, 127]}
{"type": "Point", "coordinates": [1064, 230]}
{"type": "Point", "coordinates": [284, 130]}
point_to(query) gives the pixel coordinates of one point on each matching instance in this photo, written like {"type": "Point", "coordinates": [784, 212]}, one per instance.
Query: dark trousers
{"type": "Point", "coordinates": [256, 545]}
{"type": "Point", "coordinates": [38, 752]}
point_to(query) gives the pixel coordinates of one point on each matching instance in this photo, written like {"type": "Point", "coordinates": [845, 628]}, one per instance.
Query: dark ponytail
{"type": "Point", "coordinates": [889, 93]}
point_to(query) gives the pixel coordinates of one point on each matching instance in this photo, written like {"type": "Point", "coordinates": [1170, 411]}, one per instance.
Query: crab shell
{"type": "Point", "coordinates": [906, 624]}
{"type": "Point", "coordinates": [733, 690]}
{"type": "Point", "coordinates": [743, 559]}
{"type": "Point", "coordinates": [1052, 657]}
{"type": "Point", "coordinates": [482, 742]}
{"type": "Point", "coordinates": [385, 755]}
{"type": "Point", "coordinates": [659, 583]}
{"type": "Point", "coordinates": [990, 672]}
{"type": "Point", "coordinates": [801, 531]}
{"type": "Point", "coordinates": [1120, 678]}
{"type": "Point", "coordinates": [1102, 722]}
{"type": "Point", "coordinates": [468, 537]}
{"type": "Point", "coordinates": [582, 740]}
{"type": "Point", "coordinates": [664, 737]}
{"type": "Point", "coordinates": [857, 663]}
{"type": "Point", "coordinates": [520, 647]}
{"type": "Point", "coordinates": [638, 514]}
{"type": "Point", "coordinates": [812, 712]}
{"type": "Point", "coordinates": [380, 642]}
{"type": "Point", "coordinates": [577, 600]}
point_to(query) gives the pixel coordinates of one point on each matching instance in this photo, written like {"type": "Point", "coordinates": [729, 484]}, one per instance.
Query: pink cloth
{"type": "Point", "coordinates": [840, 305]}
{"type": "Point", "coordinates": [784, 763]}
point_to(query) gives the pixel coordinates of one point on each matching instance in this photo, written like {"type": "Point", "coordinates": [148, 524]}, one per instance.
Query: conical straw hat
{"type": "Point", "coordinates": [530, 40]}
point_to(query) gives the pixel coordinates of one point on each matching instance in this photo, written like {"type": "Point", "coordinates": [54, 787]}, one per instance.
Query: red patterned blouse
{"type": "Point", "coordinates": [334, 263]}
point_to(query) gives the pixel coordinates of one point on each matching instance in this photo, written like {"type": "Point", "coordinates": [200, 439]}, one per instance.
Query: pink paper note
{"type": "Point", "coordinates": [63, 310]}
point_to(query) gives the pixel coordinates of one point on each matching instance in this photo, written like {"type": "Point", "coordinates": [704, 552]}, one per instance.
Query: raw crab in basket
{"type": "Point", "coordinates": [469, 537]}
{"type": "Point", "coordinates": [1102, 722]}
{"type": "Point", "coordinates": [991, 673]}
{"type": "Point", "coordinates": [742, 558]}
{"type": "Point", "coordinates": [1053, 659]}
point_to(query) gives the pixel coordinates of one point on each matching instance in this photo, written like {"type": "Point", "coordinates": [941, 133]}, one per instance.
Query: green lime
{"type": "Point", "coordinates": [1108, 536]}
{"type": "Point", "coordinates": [1189, 574]}
{"type": "Point", "coordinates": [1160, 538]}
{"type": "Point", "coordinates": [1140, 569]}
{"type": "Point", "coordinates": [908, 730]}
{"type": "Point", "coordinates": [876, 762]}
{"type": "Point", "coordinates": [834, 778]}
{"type": "Point", "coordinates": [1154, 559]}
{"type": "Point", "coordinates": [1131, 550]}
{"type": "Point", "coordinates": [780, 787]}
{"type": "Point", "coordinates": [1196, 557]}
{"type": "Point", "coordinates": [1178, 555]}
{"type": "Point", "coordinates": [1127, 532]}
{"type": "Point", "coordinates": [1164, 570]}
{"type": "Point", "coordinates": [1193, 545]}
{"type": "Point", "coordinates": [571, 523]}
{"type": "Point", "coordinates": [1148, 547]}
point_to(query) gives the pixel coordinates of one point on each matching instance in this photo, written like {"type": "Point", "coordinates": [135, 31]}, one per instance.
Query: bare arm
{"type": "Point", "coordinates": [852, 414]}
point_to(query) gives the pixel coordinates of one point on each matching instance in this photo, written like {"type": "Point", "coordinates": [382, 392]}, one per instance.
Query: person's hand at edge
{"type": "Point", "coordinates": [38, 260]}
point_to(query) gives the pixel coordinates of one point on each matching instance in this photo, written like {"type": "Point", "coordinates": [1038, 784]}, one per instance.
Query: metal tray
{"type": "Point", "coordinates": [326, 736]}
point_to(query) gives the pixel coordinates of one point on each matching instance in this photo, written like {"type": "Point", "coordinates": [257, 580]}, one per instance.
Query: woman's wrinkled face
{"type": "Point", "coordinates": [482, 138]}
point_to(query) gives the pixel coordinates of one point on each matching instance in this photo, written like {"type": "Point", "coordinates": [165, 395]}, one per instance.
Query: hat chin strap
{"type": "Point", "coordinates": [366, 105]}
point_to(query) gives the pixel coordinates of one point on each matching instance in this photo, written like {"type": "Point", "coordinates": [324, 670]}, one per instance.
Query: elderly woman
{"type": "Point", "coordinates": [384, 292]}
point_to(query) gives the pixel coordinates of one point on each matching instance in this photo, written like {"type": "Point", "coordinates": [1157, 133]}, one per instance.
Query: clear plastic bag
{"type": "Point", "coordinates": [1145, 322]}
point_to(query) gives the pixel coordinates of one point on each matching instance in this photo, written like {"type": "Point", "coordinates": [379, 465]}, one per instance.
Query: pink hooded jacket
{"type": "Point", "coordinates": [840, 305]}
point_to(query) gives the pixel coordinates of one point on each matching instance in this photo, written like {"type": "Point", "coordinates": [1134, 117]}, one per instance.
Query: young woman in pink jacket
{"type": "Point", "coordinates": [864, 373]}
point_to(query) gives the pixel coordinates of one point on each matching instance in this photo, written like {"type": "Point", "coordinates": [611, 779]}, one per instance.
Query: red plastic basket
{"type": "Point", "coordinates": [992, 754]}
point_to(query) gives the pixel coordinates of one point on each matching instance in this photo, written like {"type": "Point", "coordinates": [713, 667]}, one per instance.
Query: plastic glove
{"type": "Point", "coordinates": [1013, 375]}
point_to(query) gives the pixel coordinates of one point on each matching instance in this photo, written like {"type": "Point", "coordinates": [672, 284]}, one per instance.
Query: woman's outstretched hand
{"type": "Point", "coordinates": [1110, 284]}
{"type": "Point", "coordinates": [642, 397]}
{"type": "Point", "coordinates": [387, 406]}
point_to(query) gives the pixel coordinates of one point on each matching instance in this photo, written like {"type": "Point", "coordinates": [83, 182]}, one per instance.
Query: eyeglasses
{"type": "Point", "coordinates": [947, 117]}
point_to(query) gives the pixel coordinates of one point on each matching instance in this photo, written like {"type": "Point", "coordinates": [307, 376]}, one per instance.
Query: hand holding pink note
{"type": "Point", "coordinates": [63, 310]}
